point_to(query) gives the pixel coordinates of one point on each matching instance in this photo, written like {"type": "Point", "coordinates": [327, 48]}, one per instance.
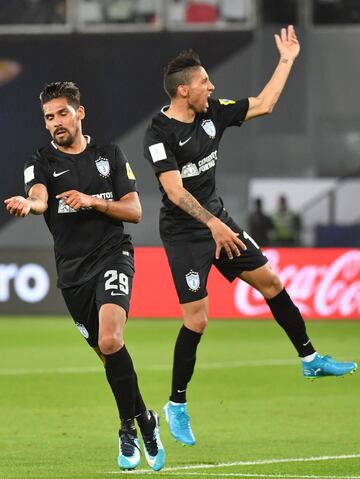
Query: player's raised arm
{"type": "Point", "coordinates": [36, 203]}
{"type": "Point", "coordinates": [223, 236]}
{"type": "Point", "coordinates": [289, 48]}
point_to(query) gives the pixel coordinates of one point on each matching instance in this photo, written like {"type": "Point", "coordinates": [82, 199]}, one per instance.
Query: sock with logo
{"type": "Point", "coordinates": [289, 317]}
{"type": "Point", "coordinates": [122, 379]}
{"type": "Point", "coordinates": [184, 363]}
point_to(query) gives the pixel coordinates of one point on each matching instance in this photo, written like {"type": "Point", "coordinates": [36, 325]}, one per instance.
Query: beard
{"type": "Point", "coordinates": [66, 140]}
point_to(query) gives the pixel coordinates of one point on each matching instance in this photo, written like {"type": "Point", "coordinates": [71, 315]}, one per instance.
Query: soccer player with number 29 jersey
{"type": "Point", "coordinates": [182, 145]}
{"type": "Point", "coordinates": [86, 192]}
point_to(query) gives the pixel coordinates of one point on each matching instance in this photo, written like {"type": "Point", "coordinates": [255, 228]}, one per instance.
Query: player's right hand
{"type": "Point", "coordinates": [226, 238]}
{"type": "Point", "coordinates": [18, 206]}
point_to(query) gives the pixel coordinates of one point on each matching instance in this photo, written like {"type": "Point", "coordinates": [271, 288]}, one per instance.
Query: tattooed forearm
{"type": "Point", "coordinates": [192, 207]}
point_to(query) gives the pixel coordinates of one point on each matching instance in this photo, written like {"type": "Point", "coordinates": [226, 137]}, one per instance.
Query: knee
{"type": "Point", "coordinates": [196, 322]}
{"type": "Point", "coordinates": [110, 343]}
{"type": "Point", "coordinates": [273, 287]}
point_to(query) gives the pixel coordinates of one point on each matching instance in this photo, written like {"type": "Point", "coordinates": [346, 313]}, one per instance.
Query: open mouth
{"type": "Point", "coordinates": [60, 131]}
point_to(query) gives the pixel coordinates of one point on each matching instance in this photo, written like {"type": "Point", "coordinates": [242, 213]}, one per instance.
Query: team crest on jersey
{"type": "Point", "coordinates": [209, 128]}
{"type": "Point", "coordinates": [189, 170]}
{"type": "Point", "coordinates": [193, 280]}
{"type": "Point", "coordinates": [103, 166]}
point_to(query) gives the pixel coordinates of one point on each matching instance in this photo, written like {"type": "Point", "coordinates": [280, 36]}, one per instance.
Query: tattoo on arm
{"type": "Point", "coordinates": [192, 207]}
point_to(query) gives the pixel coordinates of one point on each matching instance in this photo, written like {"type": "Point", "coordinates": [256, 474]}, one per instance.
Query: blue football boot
{"type": "Point", "coordinates": [129, 451]}
{"type": "Point", "coordinates": [326, 366]}
{"type": "Point", "coordinates": [153, 448]}
{"type": "Point", "coordinates": [179, 422]}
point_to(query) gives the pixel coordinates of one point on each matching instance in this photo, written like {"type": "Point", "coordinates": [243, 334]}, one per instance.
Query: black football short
{"type": "Point", "coordinates": [112, 285]}
{"type": "Point", "coordinates": [190, 262]}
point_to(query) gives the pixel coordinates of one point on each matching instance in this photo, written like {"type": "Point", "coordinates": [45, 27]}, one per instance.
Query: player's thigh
{"type": "Point", "coordinates": [113, 294]}
{"type": "Point", "coordinates": [114, 288]}
{"type": "Point", "coordinates": [190, 263]}
{"type": "Point", "coordinates": [81, 303]}
{"type": "Point", "coordinates": [249, 260]}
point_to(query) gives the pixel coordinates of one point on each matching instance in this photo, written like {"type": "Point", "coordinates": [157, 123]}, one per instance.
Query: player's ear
{"type": "Point", "coordinates": [81, 112]}
{"type": "Point", "coordinates": [183, 91]}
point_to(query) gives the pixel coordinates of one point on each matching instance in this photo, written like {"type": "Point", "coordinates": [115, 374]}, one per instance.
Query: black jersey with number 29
{"type": "Point", "coordinates": [85, 241]}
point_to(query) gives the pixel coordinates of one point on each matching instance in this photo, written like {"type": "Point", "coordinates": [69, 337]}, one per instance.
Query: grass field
{"type": "Point", "coordinates": [252, 412]}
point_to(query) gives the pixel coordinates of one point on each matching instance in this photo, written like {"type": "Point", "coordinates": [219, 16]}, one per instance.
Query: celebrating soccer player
{"type": "Point", "coordinates": [182, 146]}
{"type": "Point", "coordinates": [85, 192]}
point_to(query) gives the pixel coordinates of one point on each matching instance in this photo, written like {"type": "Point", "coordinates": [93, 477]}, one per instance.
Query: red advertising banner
{"type": "Point", "coordinates": [324, 283]}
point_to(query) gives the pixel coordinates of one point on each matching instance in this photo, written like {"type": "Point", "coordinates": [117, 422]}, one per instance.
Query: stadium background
{"type": "Point", "coordinates": [253, 413]}
{"type": "Point", "coordinates": [308, 148]}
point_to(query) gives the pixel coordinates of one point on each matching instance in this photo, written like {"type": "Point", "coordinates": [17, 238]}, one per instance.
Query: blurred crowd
{"type": "Point", "coordinates": [280, 228]}
{"type": "Point", "coordinates": [175, 11]}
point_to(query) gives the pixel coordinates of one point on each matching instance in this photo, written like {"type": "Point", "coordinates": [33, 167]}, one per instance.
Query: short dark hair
{"type": "Point", "coordinates": [178, 71]}
{"type": "Point", "coordinates": [59, 89]}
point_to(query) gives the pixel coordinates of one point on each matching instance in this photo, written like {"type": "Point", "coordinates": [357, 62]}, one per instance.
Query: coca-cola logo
{"type": "Point", "coordinates": [319, 290]}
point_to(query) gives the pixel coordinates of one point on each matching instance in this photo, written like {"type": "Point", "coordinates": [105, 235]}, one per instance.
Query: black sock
{"type": "Point", "coordinates": [146, 422]}
{"type": "Point", "coordinates": [140, 407]}
{"type": "Point", "coordinates": [122, 379]}
{"type": "Point", "coordinates": [289, 317]}
{"type": "Point", "coordinates": [184, 362]}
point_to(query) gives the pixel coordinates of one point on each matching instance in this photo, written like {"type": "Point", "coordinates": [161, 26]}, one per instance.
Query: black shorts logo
{"type": "Point", "coordinates": [193, 280]}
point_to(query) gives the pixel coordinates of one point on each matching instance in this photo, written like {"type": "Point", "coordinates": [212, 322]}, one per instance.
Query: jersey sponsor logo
{"type": "Point", "coordinates": [108, 195]}
{"type": "Point", "coordinates": [82, 330]}
{"type": "Point", "coordinates": [64, 208]}
{"type": "Point", "coordinates": [55, 174]}
{"type": "Point", "coordinates": [157, 152]}
{"type": "Point", "coordinates": [129, 172]}
{"type": "Point", "coordinates": [189, 170]}
{"type": "Point", "coordinates": [103, 166]}
{"type": "Point", "coordinates": [209, 128]}
{"type": "Point", "coordinates": [193, 280]}
{"type": "Point", "coordinates": [208, 162]}
{"type": "Point", "coordinates": [225, 101]}
{"type": "Point", "coordinates": [182, 143]}
{"type": "Point", "coordinates": [29, 174]}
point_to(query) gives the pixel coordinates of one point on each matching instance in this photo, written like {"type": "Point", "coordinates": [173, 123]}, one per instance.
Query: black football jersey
{"type": "Point", "coordinates": [192, 149]}
{"type": "Point", "coordinates": [85, 241]}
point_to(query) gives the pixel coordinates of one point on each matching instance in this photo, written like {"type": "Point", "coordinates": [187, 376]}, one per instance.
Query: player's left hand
{"type": "Point", "coordinates": [287, 43]}
{"type": "Point", "coordinates": [75, 199]}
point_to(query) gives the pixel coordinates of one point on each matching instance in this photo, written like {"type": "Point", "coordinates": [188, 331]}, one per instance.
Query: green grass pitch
{"type": "Point", "coordinates": [250, 405]}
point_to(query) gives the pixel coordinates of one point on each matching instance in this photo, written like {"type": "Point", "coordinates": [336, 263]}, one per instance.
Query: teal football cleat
{"type": "Point", "coordinates": [153, 448]}
{"type": "Point", "coordinates": [179, 422]}
{"type": "Point", "coordinates": [322, 366]}
{"type": "Point", "coordinates": [129, 451]}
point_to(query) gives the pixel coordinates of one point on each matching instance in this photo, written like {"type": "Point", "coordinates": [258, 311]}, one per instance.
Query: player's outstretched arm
{"type": "Point", "coordinates": [223, 236]}
{"type": "Point", "coordinates": [289, 48]}
{"type": "Point", "coordinates": [35, 203]}
{"type": "Point", "coordinates": [127, 208]}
